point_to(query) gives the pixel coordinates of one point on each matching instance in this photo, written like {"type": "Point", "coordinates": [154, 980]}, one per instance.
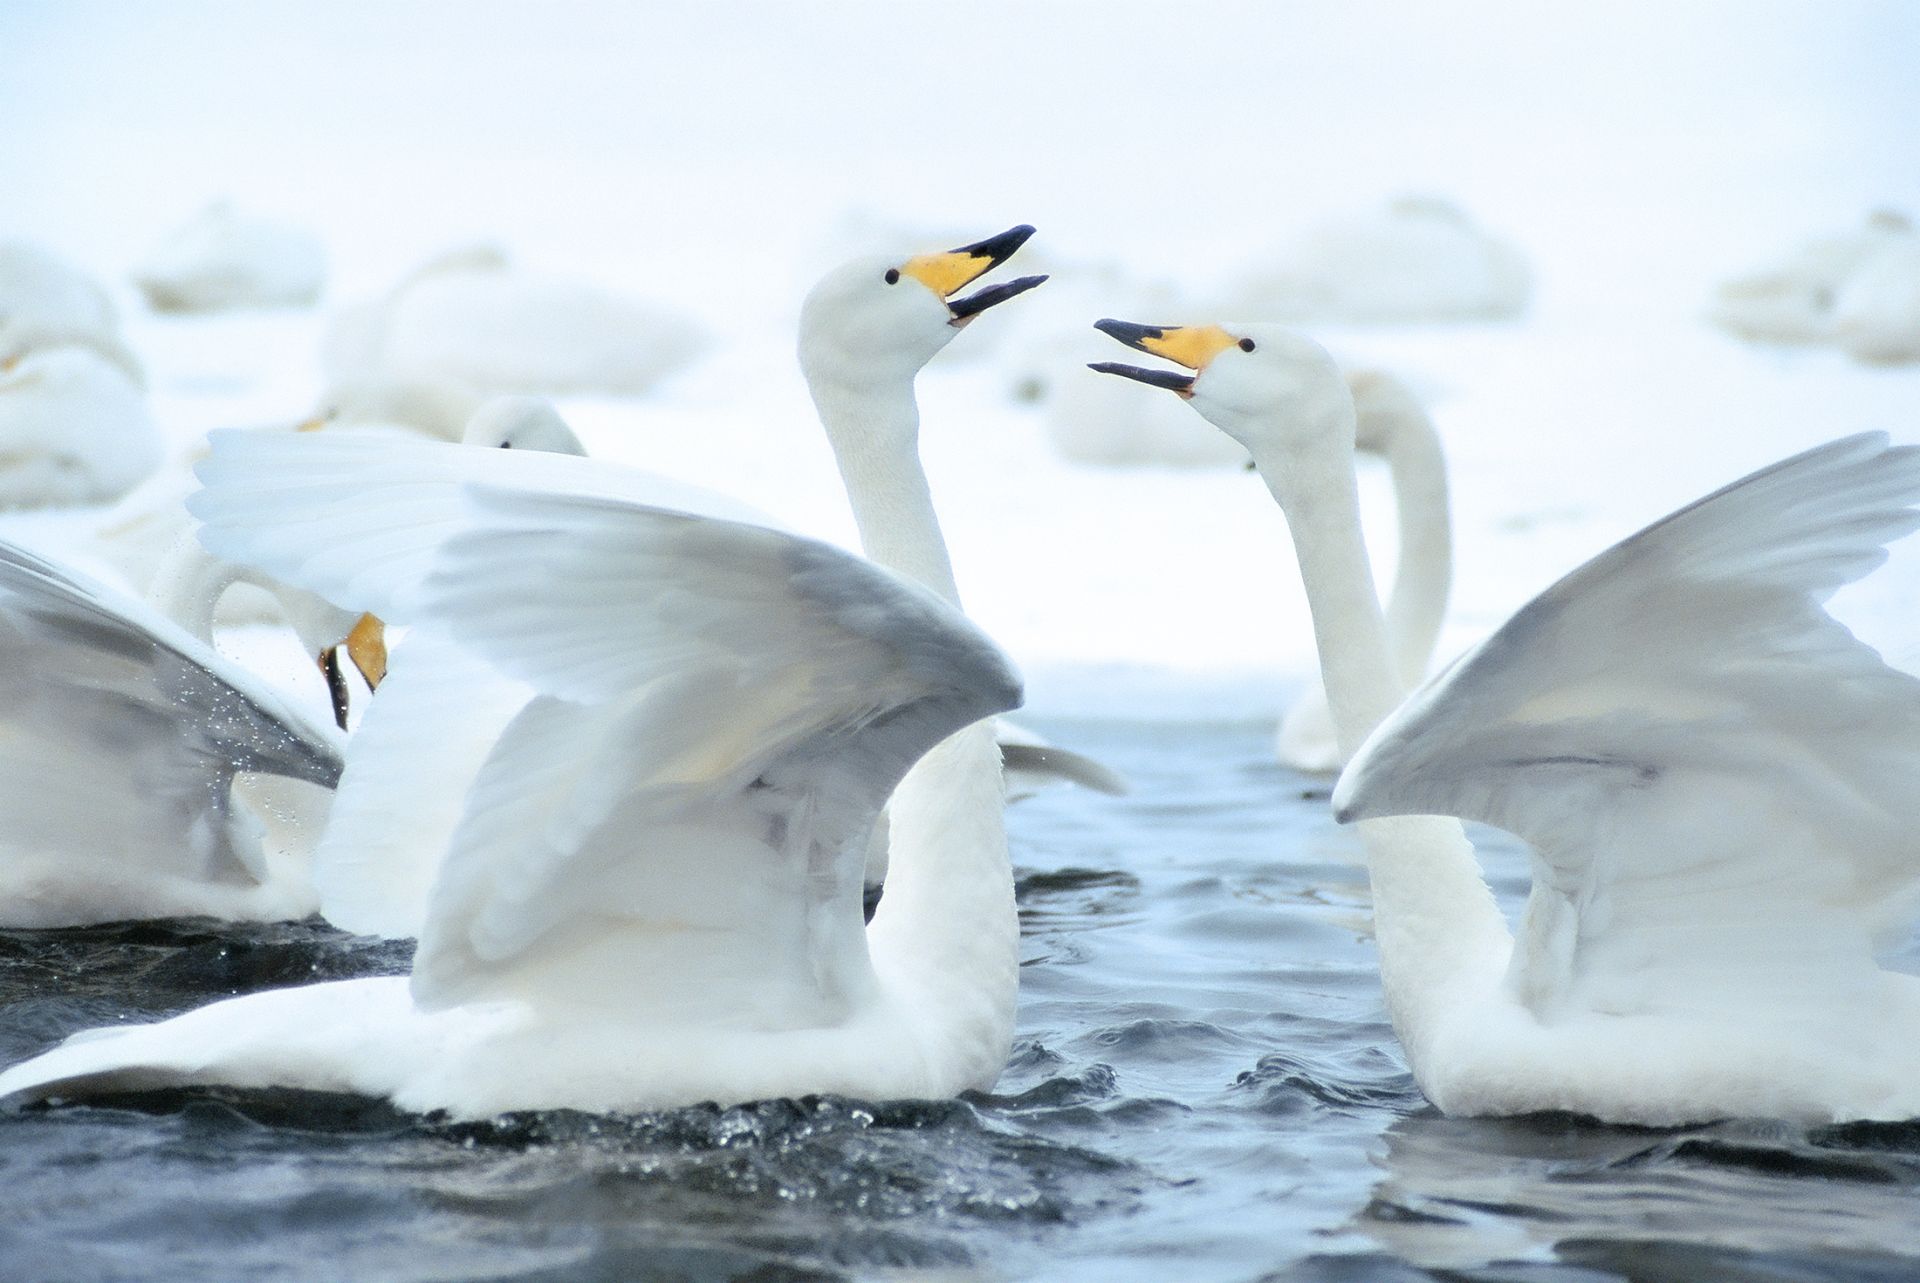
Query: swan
{"type": "Point", "coordinates": [224, 258]}
{"type": "Point", "coordinates": [1793, 301]}
{"type": "Point", "coordinates": [1391, 422]}
{"type": "Point", "coordinates": [39, 291]}
{"type": "Point", "coordinates": [472, 317]}
{"type": "Point", "coordinates": [866, 330]}
{"type": "Point", "coordinates": [141, 773]}
{"type": "Point", "coordinates": [653, 898]}
{"type": "Point", "coordinates": [1876, 315]}
{"type": "Point", "coordinates": [74, 426]}
{"type": "Point", "coordinates": [1420, 259]}
{"type": "Point", "coordinates": [1714, 775]}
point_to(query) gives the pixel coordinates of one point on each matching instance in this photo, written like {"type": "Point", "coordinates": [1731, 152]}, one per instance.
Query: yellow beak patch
{"type": "Point", "coordinates": [1190, 345]}
{"type": "Point", "coordinates": [948, 273]}
{"type": "Point", "coordinates": [367, 648]}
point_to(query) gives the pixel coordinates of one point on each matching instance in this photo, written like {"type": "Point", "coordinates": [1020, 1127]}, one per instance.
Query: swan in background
{"type": "Point", "coordinates": [1420, 259]}
{"type": "Point", "coordinates": [1876, 316]}
{"type": "Point", "coordinates": [229, 783]}
{"type": "Point", "coordinates": [1794, 301]}
{"type": "Point", "coordinates": [224, 258]}
{"type": "Point", "coordinates": [1390, 422]}
{"type": "Point", "coordinates": [74, 426]}
{"type": "Point", "coordinates": [653, 898]}
{"type": "Point", "coordinates": [471, 317]}
{"type": "Point", "coordinates": [866, 330]}
{"type": "Point", "coordinates": [1715, 777]}
{"type": "Point", "coordinates": [42, 293]}
{"type": "Point", "coordinates": [133, 538]}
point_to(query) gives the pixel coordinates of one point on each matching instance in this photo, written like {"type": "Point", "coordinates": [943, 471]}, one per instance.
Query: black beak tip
{"type": "Point", "coordinates": [1133, 335]}
{"type": "Point", "coordinates": [998, 249]}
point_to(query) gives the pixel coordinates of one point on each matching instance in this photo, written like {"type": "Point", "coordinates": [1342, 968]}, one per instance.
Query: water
{"type": "Point", "coordinates": [1204, 1087]}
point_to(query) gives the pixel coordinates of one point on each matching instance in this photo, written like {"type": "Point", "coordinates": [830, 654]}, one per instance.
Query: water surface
{"type": "Point", "coordinates": [1204, 1087]}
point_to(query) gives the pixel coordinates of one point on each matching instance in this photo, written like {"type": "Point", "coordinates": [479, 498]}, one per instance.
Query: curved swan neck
{"type": "Point", "coordinates": [875, 434]}
{"type": "Point", "coordinates": [1423, 571]}
{"type": "Point", "coordinates": [189, 584]}
{"type": "Point", "coordinates": [1439, 932]}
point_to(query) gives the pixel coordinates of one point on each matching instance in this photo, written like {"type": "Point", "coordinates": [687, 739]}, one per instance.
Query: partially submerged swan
{"type": "Point", "coordinates": [1716, 778]}
{"type": "Point", "coordinates": [653, 898]}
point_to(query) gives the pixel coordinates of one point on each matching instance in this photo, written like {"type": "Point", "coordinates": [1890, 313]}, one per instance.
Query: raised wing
{"type": "Point", "coordinates": [120, 733]}
{"type": "Point", "coordinates": [723, 710]}
{"type": "Point", "coordinates": [358, 517]}
{"type": "Point", "coordinates": [1717, 778]}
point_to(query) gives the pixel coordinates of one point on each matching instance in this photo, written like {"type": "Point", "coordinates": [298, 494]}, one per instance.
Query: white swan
{"type": "Point", "coordinates": [654, 896]}
{"type": "Point", "coordinates": [1716, 778]}
{"type": "Point", "coordinates": [1876, 315]}
{"type": "Point", "coordinates": [866, 330]}
{"type": "Point", "coordinates": [1420, 259]}
{"type": "Point", "coordinates": [1390, 421]}
{"type": "Point", "coordinates": [472, 317]}
{"type": "Point", "coordinates": [1794, 300]}
{"type": "Point", "coordinates": [141, 774]}
{"type": "Point", "coordinates": [225, 258]}
{"type": "Point", "coordinates": [74, 427]}
{"type": "Point", "coordinates": [41, 292]}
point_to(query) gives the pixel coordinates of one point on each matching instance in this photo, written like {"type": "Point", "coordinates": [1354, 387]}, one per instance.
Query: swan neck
{"type": "Point", "coordinates": [875, 434]}
{"type": "Point", "coordinates": [1439, 931]}
{"type": "Point", "coordinates": [1423, 573]}
{"type": "Point", "coordinates": [189, 584]}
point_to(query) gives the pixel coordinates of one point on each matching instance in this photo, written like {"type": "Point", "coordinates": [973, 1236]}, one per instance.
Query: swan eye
{"type": "Point", "coordinates": [506, 445]}
{"type": "Point", "coordinates": [1246, 345]}
{"type": "Point", "coordinates": [893, 276]}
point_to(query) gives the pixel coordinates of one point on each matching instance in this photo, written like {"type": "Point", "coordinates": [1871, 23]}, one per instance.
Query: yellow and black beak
{"type": "Point", "coordinates": [366, 646]}
{"type": "Point", "coordinates": [949, 273]}
{"type": "Point", "coordinates": [1193, 346]}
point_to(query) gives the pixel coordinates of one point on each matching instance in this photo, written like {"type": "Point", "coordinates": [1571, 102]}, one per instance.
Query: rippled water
{"type": "Point", "coordinates": [1204, 1087]}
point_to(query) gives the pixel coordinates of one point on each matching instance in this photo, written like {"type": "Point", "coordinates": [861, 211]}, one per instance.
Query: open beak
{"type": "Point", "coordinates": [949, 273]}
{"type": "Point", "coordinates": [1190, 345]}
{"type": "Point", "coordinates": [366, 646]}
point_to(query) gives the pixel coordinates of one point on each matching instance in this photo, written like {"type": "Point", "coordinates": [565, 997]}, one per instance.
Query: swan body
{"type": "Point", "coordinates": [43, 293]}
{"type": "Point", "coordinates": [1420, 259]}
{"type": "Point", "coordinates": [1795, 300]}
{"type": "Point", "coordinates": [1390, 422]}
{"type": "Point", "coordinates": [1876, 316]}
{"type": "Point", "coordinates": [74, 428]}
{"type": "Point", "coordinates": [475, 319]}
{"type": "Point", "coordinates": [1714, 775]}
{"type": "Point", "coordinates": [653, 897]}
{"type": "Point", "coordinates": [225, 258]}
{"type": "Point", "coordinates": [145, 775]}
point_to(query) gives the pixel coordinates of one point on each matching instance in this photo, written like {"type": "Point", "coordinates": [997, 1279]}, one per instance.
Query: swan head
{"type": "Point", "coordinates": [1265, 386]}
{"type": "Point", "coordinates": [877, 319]}
{"type": "Point", "coordinates": [521, 423]}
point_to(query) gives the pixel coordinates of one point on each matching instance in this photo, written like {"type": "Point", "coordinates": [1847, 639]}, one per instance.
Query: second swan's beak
{"type": "Point", "coordinates": [366, 646]}
{"type": "Point", "coordinates": [948, 273]}
{"type": "Point", "coordinates": [1190, 345]}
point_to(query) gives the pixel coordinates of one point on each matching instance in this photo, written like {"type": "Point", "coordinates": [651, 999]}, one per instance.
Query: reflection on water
{"type": "Point", "coordinates": [1203, 1087]}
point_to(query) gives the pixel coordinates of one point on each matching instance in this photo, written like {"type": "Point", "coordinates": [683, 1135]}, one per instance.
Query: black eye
{"type": "Point", "coordinates": [506, 445]}
{"type": "Point", "coordinates": [1246, 345]}
{"type": "Point", "coordinates": [893, 276]}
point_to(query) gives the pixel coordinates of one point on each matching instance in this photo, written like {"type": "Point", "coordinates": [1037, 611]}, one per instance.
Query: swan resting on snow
{"type": "Point", "coordinates": [74, 424]}
{"type": "Point", "coordinates": [225, 258]}
{"type": "Point", "coordinates": [653, 897]}
{"type": "Point", "coordinates": [1715, 776]}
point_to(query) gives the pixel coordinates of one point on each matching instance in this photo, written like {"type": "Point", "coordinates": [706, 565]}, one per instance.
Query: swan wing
{"type": "Point", "coordinates": [358, 517]}
{"type": "Point", "coordinates": [120, 733]}
{"type": "Point", "coordinates": [1716, 777]}
{"type": "Point", "coordinates": [681, 813]}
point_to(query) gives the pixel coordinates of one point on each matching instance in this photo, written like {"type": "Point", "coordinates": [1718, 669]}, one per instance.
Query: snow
{"type": "Point", "coordinates": [1636, 154]}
